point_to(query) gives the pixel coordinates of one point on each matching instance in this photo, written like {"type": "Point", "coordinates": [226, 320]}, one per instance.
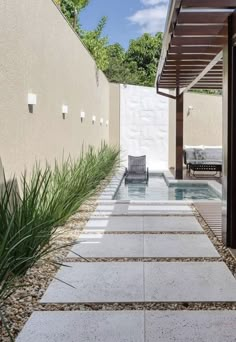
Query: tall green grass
{"type": "Point", "coordinates": [29, 217]}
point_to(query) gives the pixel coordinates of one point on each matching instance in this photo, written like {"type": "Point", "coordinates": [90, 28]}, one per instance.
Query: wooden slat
{"type": "Point", "coordinates": [211, 213]}
{"type": "Point", "coordinates": [221, 4]}
{"type": "Point", "coordinates": [195, 49]}
{"type": "Point", "coordinates": [202, 17]}
{"type": "Point", "coordinates": [200, 30]}
{"type": "Point", "coordinates": [187, 63]}
{"type": "Point", "coordinates": [199, 41]}
{"type": "Point", "coordinates": [180, 57]}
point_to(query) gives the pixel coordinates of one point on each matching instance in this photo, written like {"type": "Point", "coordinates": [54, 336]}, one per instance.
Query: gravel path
{"type": "Point", "coordinates": [20, 306]}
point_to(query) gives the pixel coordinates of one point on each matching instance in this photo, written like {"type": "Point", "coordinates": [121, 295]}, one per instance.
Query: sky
{"type": "Point", "coordinates": [127, 19]}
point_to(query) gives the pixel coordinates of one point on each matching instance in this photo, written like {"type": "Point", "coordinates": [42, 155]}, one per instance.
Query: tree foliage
{"type": "Point", "coordinates": [93, 40]}
{"type": "Point", "coordinates": [135, 66]}
{"type": "Point", "coordinates": [138, 64]}
{"type": "Point", "coordinates": [96, 44]}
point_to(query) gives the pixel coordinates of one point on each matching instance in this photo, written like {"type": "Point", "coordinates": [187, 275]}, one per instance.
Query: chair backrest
{"type": "Point", "coordinates": [214, 153]}
{"type": "Point", "coordinates": [137, 164]}
{"type": "Point", "coordinates": [211, 153]}
{"type": "Point", "coordinates": [189, 155]}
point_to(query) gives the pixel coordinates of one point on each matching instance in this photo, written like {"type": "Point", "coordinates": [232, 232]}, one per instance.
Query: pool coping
{"type": "Point", "coordinates": [108, 194]}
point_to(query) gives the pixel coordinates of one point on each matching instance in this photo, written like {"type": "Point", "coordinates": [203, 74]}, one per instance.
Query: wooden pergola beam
{"type": "Point", "coordinates": [205, 71]}
{"type": "Point", "coordinates": [194, 49]}
{"type": "Point", "coordinates": [193, 57]}
{"type": "Point", "coordinates": [179, 134]}
{"type": "Point", "coordinates": [219, 4]}
{"type": "Point", "coordinates": [200, 17]}
{"type": "Point", "coordinates": [198, 41]}
{"type": "Point", "coordinates": [200, 30]}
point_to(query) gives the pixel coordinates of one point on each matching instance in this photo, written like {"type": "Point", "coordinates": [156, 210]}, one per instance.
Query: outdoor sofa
{"type": "Point", "coordinates": [137, 170]}
{"type": "Point", "coordinates": [203, 158]}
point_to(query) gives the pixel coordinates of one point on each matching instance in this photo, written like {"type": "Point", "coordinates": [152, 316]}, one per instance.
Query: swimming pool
{"type": "Point", "coordinates": [157, 189]}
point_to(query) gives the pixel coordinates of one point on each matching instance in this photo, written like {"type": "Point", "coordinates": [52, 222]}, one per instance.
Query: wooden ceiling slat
{"type": "Point", "coordinates": [190, 68]}
{"type": "Point", "coordinates": [220, 4]}
{"type": "Point", "coordinates": [195, 49]}
{"type": "Point", "coordinates": [176, 57]}
{"type": "Point", "coordinates": [200, 30]}
{"type": "Point", "coordinates": [186, 63]}
{"type": "Point", "coordinates": [186, 75]}
{"type": "Point", "coordinates": [197, 38]}
{"type": "Point", "coordinates": [199, 41]}
{"type": "Point", "coordinates": [202, 17]}
{"type": "Point", "coordinates": [190, 77]}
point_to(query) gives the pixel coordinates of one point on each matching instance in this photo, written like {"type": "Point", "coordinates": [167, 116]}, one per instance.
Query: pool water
{"type": "Point", "coordinates": [157, 189]}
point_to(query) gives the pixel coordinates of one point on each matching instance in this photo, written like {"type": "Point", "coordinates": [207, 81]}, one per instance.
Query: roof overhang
{"type": "Point", "coordinates": [195, 34]}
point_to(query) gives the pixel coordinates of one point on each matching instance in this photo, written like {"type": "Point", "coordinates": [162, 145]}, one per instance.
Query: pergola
{"type": "Point", "coordinates": [199, 53]}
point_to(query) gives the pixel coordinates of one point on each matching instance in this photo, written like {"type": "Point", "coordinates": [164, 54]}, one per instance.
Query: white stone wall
{"type": "Point", "coordinates": [144, 125]}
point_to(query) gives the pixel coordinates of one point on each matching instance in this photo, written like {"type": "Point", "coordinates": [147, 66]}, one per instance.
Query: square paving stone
{"type": "Point", "coordinates": [116, 223]}
{"type": "Point", "coordinates": [77, 326]}
{"type": "Point", "coordinates": [165, 209]}
{"type": "Point", "coordinates": [178, 246]}
{"type": "Point", "coordinates": [99, 282]}
{"type": "Point", "coordinates": [106, 197]}
{"type": "Point", "coordinates": [171, 224]}
{"type": "Point", "coordinates": [190, 326]}
{"type": "Point", "coordinates": [129, 209]}
{"type": "Point", "coordinates": [189, 282]}
{"type": "Point", "coordinates": [110, 245]}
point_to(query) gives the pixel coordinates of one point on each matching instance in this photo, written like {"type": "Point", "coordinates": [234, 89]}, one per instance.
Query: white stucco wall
{"type": "Point", "coordinates": [144, 125]}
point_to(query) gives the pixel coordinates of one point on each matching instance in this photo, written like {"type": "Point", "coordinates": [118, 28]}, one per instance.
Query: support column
{"type": "Point", "coordinates": [229, 138]}
{"type": "Point", "coordinates": [179, 135]}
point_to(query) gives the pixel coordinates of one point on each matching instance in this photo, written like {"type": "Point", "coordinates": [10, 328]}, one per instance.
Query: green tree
{"type": "Point", "coordinates": [138, 64]}
{"type": "Point", "coordinates": [97, 44]}
{"type": "Point", "coordinates": [116, 58]}
{"type": "Point", "coordinates": [145, 52]}
{"type": "Point", "coordinates": [71, 9]}
{"type": "Point", "coordinates": [93, 40]}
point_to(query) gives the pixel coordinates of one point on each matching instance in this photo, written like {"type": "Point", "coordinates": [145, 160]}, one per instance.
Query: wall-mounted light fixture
{"type": "Point", "coordinates": [93, 119]}
{"type": "Point", "coordinates": [101, 121]}
{"type": "Point", "coordinates": [64, 110]}
{"type": "Point", "coordinates": [82, 116]}
{"type": "Point", "coordinates": [107, 123]}
{"type": "Point", "coordinates": [190, 109]}
{"type": "Point", "coordinates": [32, 101]}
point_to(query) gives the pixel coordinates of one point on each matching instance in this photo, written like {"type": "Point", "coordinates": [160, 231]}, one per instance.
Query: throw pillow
{"type": "Point", "coordinates": [200, 154]}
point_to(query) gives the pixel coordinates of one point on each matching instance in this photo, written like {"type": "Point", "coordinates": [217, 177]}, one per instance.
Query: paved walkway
{"type": "Point", "coordinates": [141, 258]}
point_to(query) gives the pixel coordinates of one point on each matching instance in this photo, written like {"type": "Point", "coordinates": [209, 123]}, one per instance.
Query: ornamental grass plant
{"type": "Point", "coordinates": [31, 212]}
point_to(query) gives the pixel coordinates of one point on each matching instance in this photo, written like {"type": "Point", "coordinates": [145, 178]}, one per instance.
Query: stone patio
{"type": "Point", "coordinates": [147, 253]}
{"type": "Point", "coordinates": [132, 326]}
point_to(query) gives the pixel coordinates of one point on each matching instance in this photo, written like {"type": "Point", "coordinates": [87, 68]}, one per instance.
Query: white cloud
{"type": "Point", "coordinates": [153, 2]}
{"type": "Point", "coordinates": [151, 19]}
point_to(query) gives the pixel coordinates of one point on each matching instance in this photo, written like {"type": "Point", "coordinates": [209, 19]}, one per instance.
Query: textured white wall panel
{"type": "Point", "coordinates": [144, 125]}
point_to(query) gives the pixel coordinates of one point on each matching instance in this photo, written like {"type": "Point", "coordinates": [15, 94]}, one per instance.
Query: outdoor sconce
{"type": "Point", "coordinates": [93, 119]}
{"type": "Point", "coordinates": [64, 110]}
{"type": "Point", "coordinates": [107, 123]}
{"type": "Point", "coordinates": [32, 101]}
{"type": "Point", "coordinates": [82, 116]}
{"type": "Point", "coordinates": [101, 121]}
{"type": "Point", "coordinates": [190, 109]}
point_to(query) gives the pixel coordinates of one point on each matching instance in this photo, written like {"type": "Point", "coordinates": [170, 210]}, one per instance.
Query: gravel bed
{"type": "Point", "coordinates": [141, 232]}
{"type": "Point", "coordinates": [144, 259]}
{"type": "Point", "coordinates": [138, 306]}
{"type": "Point", "coordinates": [225, 253]}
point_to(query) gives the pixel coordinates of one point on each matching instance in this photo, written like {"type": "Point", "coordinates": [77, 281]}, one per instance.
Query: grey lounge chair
{"type": "Point", "coordinates": [137, 171]}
